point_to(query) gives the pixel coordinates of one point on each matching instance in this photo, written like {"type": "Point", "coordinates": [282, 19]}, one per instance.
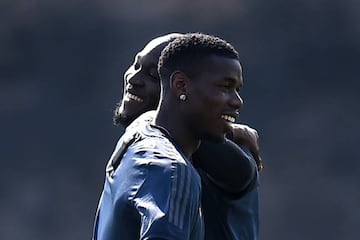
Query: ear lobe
{"type": "Point", "coordinates": [178, 82]}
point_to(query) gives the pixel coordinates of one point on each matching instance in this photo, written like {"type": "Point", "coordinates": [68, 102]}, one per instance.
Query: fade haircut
{"type": "Point", "coordinates": [186, 51]}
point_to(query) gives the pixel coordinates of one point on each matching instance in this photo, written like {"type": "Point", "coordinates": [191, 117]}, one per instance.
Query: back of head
{"type": "Point", "coordinates": [184, 52]}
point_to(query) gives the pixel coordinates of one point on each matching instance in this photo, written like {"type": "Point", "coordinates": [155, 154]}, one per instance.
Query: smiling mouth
{"type": "Point", "coordinates": [228, 118]}
{"type": "Point", "coordinates": [134, 97]}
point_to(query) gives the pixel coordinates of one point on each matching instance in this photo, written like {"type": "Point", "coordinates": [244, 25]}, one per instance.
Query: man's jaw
{"type": "Point", "coordinates": [126, 118]}
{"type": "Point", "coordinates": [131, 107]}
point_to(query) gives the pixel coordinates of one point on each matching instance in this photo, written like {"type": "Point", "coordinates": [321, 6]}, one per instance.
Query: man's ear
{"type": "Point", "coordinates": [179, 83]}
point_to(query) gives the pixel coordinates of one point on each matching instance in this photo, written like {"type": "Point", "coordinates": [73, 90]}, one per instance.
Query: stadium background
{"type": "Point", "coordinates": [61, 66]}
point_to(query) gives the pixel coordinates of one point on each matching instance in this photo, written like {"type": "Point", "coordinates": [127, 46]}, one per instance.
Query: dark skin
{"type": "Point", "coordinates": [141, 86]}
{"type": "Point", "coordinates": [211, 95]}
{"type": "Point", "coordinates": [214, 93]}
{"type": "Point", "coordinates": [141, 80]}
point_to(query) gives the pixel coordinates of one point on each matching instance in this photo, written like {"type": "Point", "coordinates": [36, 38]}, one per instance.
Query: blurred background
{"type": "Point", "coordinates": [61, 66]}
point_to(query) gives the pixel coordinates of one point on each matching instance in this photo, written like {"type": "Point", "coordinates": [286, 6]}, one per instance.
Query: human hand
{"type": "Point", "coordinates": [244, 135]}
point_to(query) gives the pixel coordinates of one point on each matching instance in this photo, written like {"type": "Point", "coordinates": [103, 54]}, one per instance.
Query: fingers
{"type": "Point", "coordinates": [257, 157]}
{"type": "Point", "coordinates": [256, 153]}
{"type": "Point", "coordinates": [249, 137]}
{"type": "Point", "coordinates": [259, 164]}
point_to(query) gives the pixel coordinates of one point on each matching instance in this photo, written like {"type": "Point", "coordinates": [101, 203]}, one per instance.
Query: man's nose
{"type": "Point", "coordinates": [134, 79]}
{"type": "Point", "coordinates": [236, 101]}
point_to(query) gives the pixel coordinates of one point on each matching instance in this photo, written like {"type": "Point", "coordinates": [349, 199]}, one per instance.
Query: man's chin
{"type": "Point", "coordinates": [128, 114]}
{"type": "Point", "coordinates": [127, 117]}
{"type": "Point", "coordinates": [125, 120]}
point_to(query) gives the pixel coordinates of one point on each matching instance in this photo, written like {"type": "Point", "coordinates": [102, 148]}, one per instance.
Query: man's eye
{"type": "Point", "coordinates": [225, 85]}
{"type": "Point", "coordinates": [154, 74]}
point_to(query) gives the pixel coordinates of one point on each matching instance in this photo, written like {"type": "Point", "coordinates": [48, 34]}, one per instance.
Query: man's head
{"type": "Point", "coordinates": [141, 82]}
{"type": "Point", "coordinates": [206, 70]}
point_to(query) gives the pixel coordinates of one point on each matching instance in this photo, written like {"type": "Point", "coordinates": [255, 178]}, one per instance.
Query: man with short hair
{"type": "Point", "coordinates": [228, 171]}
{"type": "Point", "coordinates": [194, 94]}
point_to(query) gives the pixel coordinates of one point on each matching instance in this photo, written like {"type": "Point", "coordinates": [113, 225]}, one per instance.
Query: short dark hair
{"type": "Point", "coordinates": [182, 53]}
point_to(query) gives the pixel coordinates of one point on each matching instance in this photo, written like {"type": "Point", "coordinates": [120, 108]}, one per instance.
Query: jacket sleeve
{"type": "Point", "coordinates": [229, 166]}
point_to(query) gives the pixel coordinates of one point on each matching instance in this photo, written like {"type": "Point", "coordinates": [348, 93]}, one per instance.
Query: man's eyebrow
{"type": "Point", "coordinates": [233, 81]}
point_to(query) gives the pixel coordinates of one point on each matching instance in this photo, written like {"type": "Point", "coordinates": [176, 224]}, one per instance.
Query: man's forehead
{"type": "Point", "coordinates": [149, 53]}
{"type": "Point", "coordinates": [223, 67]}
{"type": "Point", "coordinates": [151, 46]}
{"type": "Point", "coordinates": [162, 40]}
{"type": "Point", "coordinates": [157, 44]}
{"type": "Point", "coordinates": [147, 56]}
{"type": "Point", "coordinates": [150, 49]}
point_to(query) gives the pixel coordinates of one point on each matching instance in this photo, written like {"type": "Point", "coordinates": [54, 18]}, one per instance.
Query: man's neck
{"type": "Point", "coordinates": [178, 132]}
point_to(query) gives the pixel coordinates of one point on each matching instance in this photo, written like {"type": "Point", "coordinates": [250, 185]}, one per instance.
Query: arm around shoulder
{"type": "Point", "coordinates": [227, 164]}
